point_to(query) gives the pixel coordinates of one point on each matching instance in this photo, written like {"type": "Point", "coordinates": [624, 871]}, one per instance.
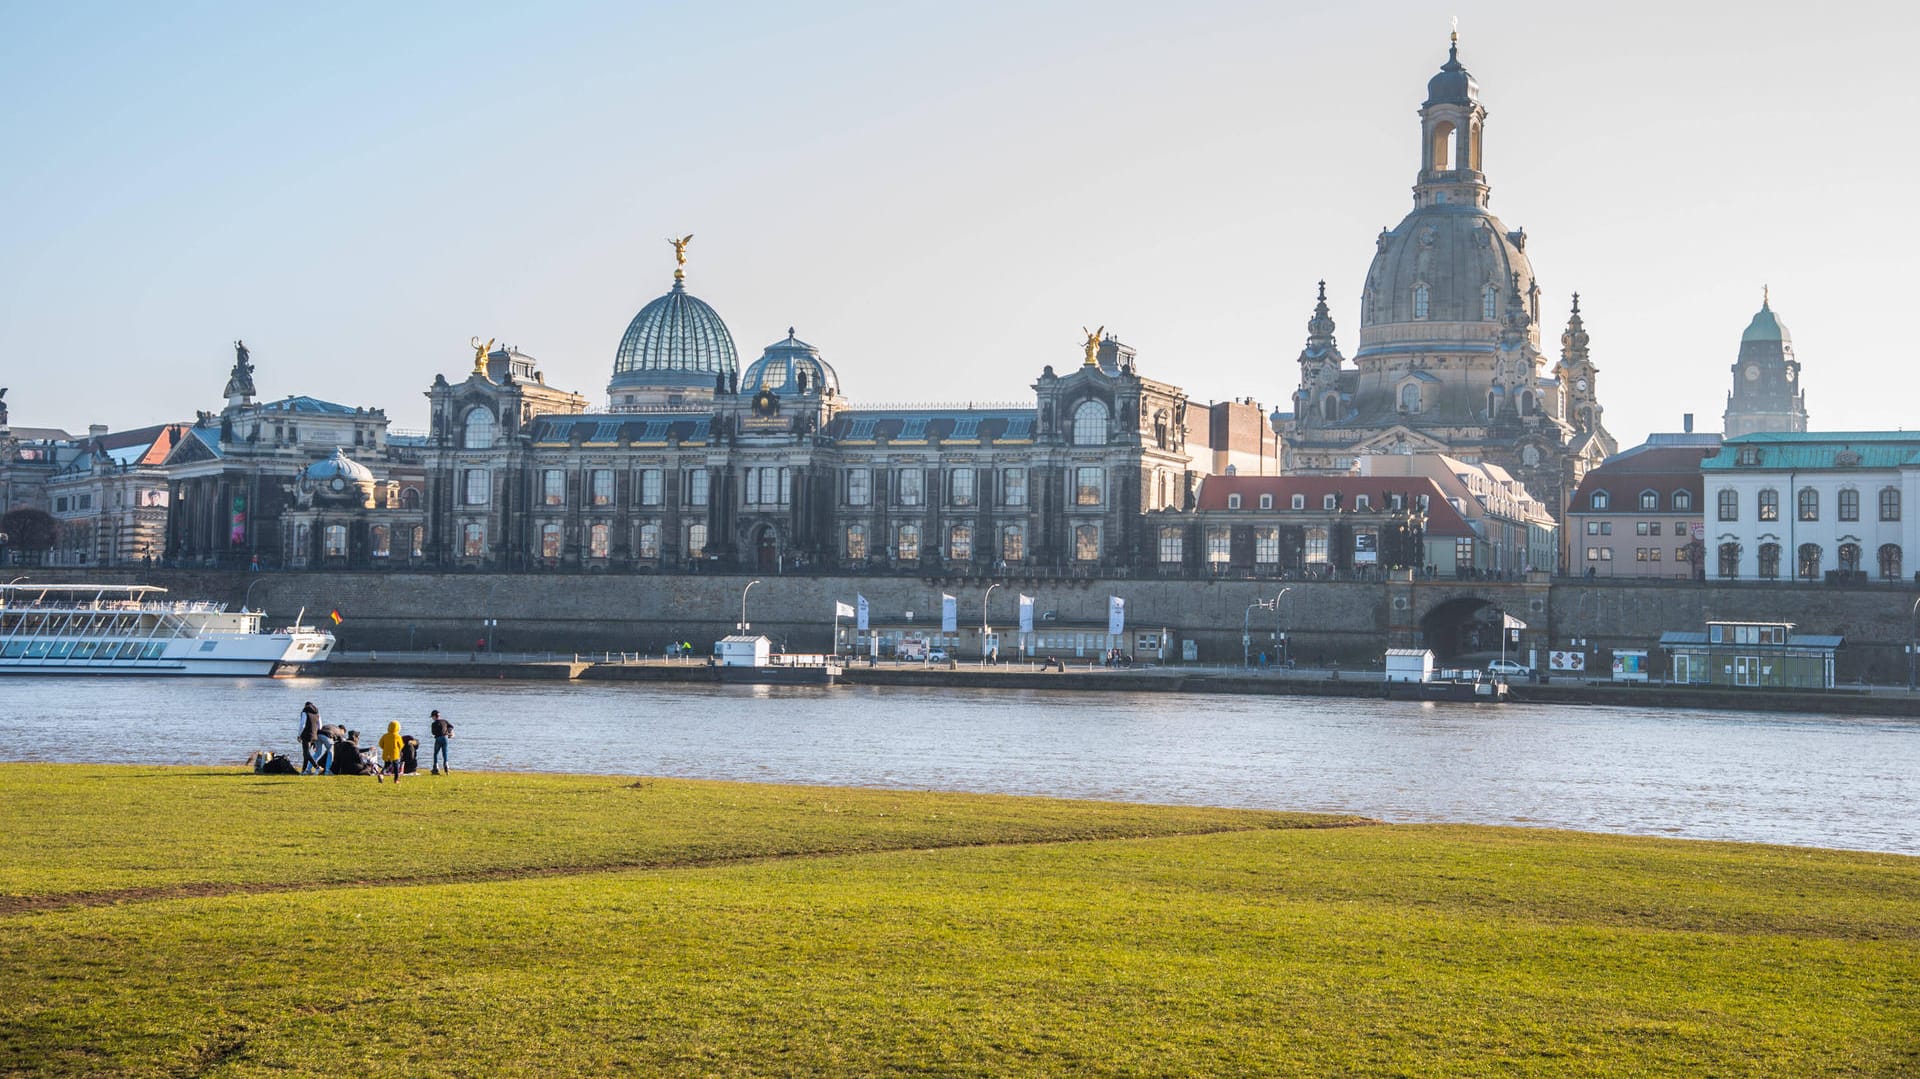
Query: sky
{"type": "Point", "coordinates": [938, 196]}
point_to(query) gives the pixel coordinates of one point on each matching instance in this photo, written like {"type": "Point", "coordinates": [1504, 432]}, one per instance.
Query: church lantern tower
{"type": "Point", "coordinates": [1766, 395]}
{"type": "Point", "coordinates": [1579, 378]}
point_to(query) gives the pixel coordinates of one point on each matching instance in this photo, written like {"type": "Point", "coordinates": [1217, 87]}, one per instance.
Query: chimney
{"type": "Point", "coordinates": [95, 430]}
{"type": "Point", "coordinates": [1686, 422]}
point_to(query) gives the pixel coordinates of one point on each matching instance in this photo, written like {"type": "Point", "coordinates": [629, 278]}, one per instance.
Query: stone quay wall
{"type": "Point", "coordinates": [1346, 622]}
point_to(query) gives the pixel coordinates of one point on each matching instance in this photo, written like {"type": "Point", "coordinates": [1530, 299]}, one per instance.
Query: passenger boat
{"type": "Point", "coordinates": [131, 629]}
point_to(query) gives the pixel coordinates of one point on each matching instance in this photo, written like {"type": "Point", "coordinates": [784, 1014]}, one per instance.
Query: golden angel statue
{"type": "Point", "coordinates": [680, 250]}
{"type": "Point", "coordinates": [480, 354]}
{"type": "Point", "coordinates": [1093, 343]}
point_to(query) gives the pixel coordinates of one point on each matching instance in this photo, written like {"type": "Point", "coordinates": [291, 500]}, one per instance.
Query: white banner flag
{"type": "Point", "coordinates": [842, 610]}
{"type": "Point", "coordinates": [1508, 621]}
{"type": "Point", "coordinates": [1116, 615]}
{"type": "Point", "coordinates": [1026, 614]}
{"type": "Point", "coordinates": [949, 616]}
{"type": "Point", "coordinates": [860, 620]}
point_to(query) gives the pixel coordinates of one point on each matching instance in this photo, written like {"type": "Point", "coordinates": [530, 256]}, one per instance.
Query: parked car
{"type": "Point", "coordinates": [937, 655]}
{"type": "Point", "coordinates": [1507, 668]}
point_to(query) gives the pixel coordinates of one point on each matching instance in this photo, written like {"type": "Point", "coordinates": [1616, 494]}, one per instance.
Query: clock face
{"type": "Point", "coordinates": [766, 403]}
{"type": "Point", "coordinates": [1753, 373]}
{"type": "Point", "coordinates": [339, 484]}
{"type": "Point", "coordinates": [1789, 374]}
{"type": "Point", "coordinates": [1580, 385]}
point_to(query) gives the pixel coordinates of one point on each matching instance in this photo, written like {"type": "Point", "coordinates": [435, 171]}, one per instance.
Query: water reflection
{"type": "Point", "coordinates": [1824, 781]}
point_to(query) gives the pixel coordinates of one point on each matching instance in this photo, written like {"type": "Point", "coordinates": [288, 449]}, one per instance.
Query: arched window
{"type": "Point", "coordinates": [1410, 397]}
{"type": "Point", "coordinates": [1649, 500]}
{"type": "Point", "coordinates": [1013, 543]}
{"type": "Point", "coordinates": [1086, 543]}
{"type": "Point", "coordinates": [1848, 555]}
{"type": "Point", "coordinates": [907, 544]}
{"type": "Point", "coordinates": [416, 541]}
{"type": "Point", "coordinates": [1846, 504]}
{"type": "Point", "coordinates": [1729, 560]}
{"type": "Point", "coordinates": [1729, 501]}
{"type": "Point", "coordinates": [960, 543]}
{"type": "Point", "coordinates": [1489, 296]}
{"type": "Point", "coordinates": [1441, 150]}
{"type": "Point", "coordinates": [856, 543]}
{"type": "Point", "coordinates": [480, 429]}
{"type": "Point", "coordinates": [1890, 561]}
{"type": "Point", "coordinates": [1769, 504]}
{"type": "Point", "coordinates": [1330, 407]}
{"type": "Point", "coordinates": [1682, 501]}
{"type": "Point", "coordinates": [1769, 568]}
{"type": "Point", "coordinates": [550, 541]}
{"type": "Point", "coordinates": [696, 541]}
{"type": "Point", "coordinates": [1527, 404]}
{"type": "Point", "coordinates": [649, 541]}
{"type": "Point", "coordinates": [409, 498]}
{"type": "Point", "coordinates": [473, 541]}
{"type": "Point", "coordinates": [599, 540]}
{"type": "Point", "coordinates": [1601, 500]}
{"type": "Point", "coordinates": [1422, 301]}
{"type": "Point", "coordinates": [1890, 503]}
{"type": "Point", "coordinates": [1090, 424]}
{"type": "Point", "coordinates": [1807, 562]}
{"type": "Point", "coordinates": [1808, 504]}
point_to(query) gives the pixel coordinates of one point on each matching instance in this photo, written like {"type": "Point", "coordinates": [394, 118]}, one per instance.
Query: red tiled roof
{"type": "Point", "coordinates": [1442, 518]}
{"type": "Point", "coordinates": [1667, 470]}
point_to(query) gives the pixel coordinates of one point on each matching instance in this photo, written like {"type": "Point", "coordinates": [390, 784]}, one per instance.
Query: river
{"type": "Point", "coordinates": [1797, 779]}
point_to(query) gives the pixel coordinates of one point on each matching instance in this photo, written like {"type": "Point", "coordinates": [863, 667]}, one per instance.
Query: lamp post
{"type": "Point", "coordinates": [744, 624]}
{"type": "Point", "coordinates": [1913, 649]}
{"type": "Point", "coordinates": [1283, 633]}
{"type": "Point", "coordinates": [1246, 627]}
{"type": "Point", "coordinates": [248, 594]}
{"type": "Point", "coordinates": [984, 628]}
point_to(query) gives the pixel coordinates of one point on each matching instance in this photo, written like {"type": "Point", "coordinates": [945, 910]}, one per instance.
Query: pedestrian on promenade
{"type": "Point", "coordinates": [390, 749]}
{"type": "Point", "coordinates": [309, 735]}
{"type": "Point", "coordinates": [441, 731]}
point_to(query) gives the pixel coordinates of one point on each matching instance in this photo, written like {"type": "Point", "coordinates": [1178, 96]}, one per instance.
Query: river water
{"type": "Point", "coordinates": [1798, 779]}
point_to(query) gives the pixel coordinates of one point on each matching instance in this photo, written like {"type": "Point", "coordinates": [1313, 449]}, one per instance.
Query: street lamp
{"type": "Point", "coordinates": [984, 628]}
{"type": "Point", "coordinates": [248, 594]}
{"type": "Point", "coordinates": [744, 624]}
{"type": "Point", "coordinates": [1913, 649]}
{"type": "Point", "coordinates": [1283, 633]}
{"type": "Point", "coordinates": [1246, 627]}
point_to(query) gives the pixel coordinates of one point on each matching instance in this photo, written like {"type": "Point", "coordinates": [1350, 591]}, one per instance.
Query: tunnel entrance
{"type": "Point", "coordinates": [1462, 627]}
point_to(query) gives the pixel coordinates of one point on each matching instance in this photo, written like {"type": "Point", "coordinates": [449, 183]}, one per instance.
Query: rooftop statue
{"type": "Point", "coordinates": [680, 254]}
{"type": "Point", "coordinates": [240, 383]}
{"type": "Point", "coordinates": [480, 353]}
{"type": "Point", "coordinates": [1093, 344]}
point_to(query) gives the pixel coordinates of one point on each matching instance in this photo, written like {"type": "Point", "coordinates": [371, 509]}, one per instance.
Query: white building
{"type": "Point", "coordinates": [1810, 506]}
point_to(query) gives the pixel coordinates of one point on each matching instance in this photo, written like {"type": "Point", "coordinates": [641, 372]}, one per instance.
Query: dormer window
{"type": "Point", "coordinates": [1330, 502]}
{"type": "Point", "coordinates": [1649, 500]}
{"type": "Point", "coordinates": [1233, 502]}
{"type": "Point", "coordinates": [1266, 502]}
{"type": "Point", "coordinates": [1682, 500]}
{"type": "Point", "coordinates": [1299, 502]}
{"type": "Point", "coordinates": [1601, 500]}
{"type": "Point", "coordinates": [1362, 502]}
{"type": "Point", "coordinates": [1410, 397]}
{"type": "Point", "coordinates": [1422, 300]}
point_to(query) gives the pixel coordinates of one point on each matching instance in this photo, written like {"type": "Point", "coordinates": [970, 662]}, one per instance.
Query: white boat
{"type": "Point", "coordinates": [131, 629]}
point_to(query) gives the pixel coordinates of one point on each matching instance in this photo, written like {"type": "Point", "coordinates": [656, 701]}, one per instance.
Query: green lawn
{"type": "Point", "coordinates": [179, 921]}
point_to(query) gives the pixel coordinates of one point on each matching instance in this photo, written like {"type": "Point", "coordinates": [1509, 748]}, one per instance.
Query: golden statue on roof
{"type": "Point", "coordinates": [680, 255]}
{"type": "Point", "coordinates": [1093, 344]}
{"type": "Point", "coordinates": [480, 354]}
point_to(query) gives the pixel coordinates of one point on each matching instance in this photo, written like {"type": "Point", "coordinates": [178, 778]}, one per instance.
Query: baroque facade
{"type": "Point", "coordinates": [1449, 358]}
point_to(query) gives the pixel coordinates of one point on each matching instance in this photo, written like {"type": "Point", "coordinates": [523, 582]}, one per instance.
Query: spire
{"type": "Point", "coordinates": [1320, 326]}
{"type": "Point", "coordinates": [1573, 343]}
{"type": "Point", "coordinates": [1766, 298]}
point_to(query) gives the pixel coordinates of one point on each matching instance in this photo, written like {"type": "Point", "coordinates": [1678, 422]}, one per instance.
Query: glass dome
{"type": "Point", "coordinates": [790, 368]}
{"type": "Point", "coordinates": [675, 342]}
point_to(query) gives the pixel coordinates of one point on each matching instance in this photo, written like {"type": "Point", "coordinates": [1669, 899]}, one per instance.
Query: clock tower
{"type": "Point", "coordinates": [1578, 376]}
{"type": "Point", "coordinates": [1766, 395]}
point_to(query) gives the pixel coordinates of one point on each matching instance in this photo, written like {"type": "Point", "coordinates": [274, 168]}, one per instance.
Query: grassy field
{"type": "Point", "coordinates": [191, 921]}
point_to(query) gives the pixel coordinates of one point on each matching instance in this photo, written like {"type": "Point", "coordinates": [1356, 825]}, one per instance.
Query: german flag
{"type": "Point", "coordinates": [335, 615]}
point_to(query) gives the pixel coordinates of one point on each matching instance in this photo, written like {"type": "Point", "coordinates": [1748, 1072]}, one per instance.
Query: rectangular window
{"type": "Point", "coordinates": [1266, 545]}
{"type": "Point", "coordinates": [1653, 528]}
{"type": "Point", "coordinates": [602, 487]}
{"type": "Point", "coordinates": [912, 488]}
{"type": "Point", "coordinates": [550, 541]}
{"type": "Point", "coordinates": [1087, 486]}
{"type": "Point", "coordinates": [1013, 486]}
{"type": "Point", "coordinates": [857, 543]}
{"type": "Point", "coordinates": [1769, 504]}
{"type": "Point", "coordinates": [1606, 554]}
{"type": "Point", "coordinates": [1219, 545]}
{"type": "Point", "coordinates": [960, 543]}
{"type": "Point", "coordinates": [961, 486]}
{"type": "Point", "coordinates": [649, 545]}
{"type": "Point", "coordinates": [1606, 528]}
{"type": "Point", "coordinates": [1593, 554]}
{"type": "Point", "coordinates": [1653, 554]}
{"type": "Point", "coordinates": [698, 485]}
{"type": "Point", "coordinates": [1848, 505]}
{"type": "Point", "coordinates": [599, 540]}
{"type": "Point", "coordinates": [859, 487]}
{"type": "Point", "coordinates": [1809, 504]}
{"type": "Point", "coordinates": [1172, 546]}
{"type": "Point", "coordinates": [1593, 528]}
{"type": "Point", "coordinates": [553, 487]}
{"type": "Point", "coordinates": [1086, 543]}
{"type": "Point", "coordinates": [1729, 502]}
{"type": "Point", "coordinates": [1680, 555]}
{"type": "Point", "coordinates": [696, 540]}
{"type": "Point", "coordinates": [1640, 528]}
{"type": "Point", "coordinates": [1639, 554]}
{"type": "Point", "coordinates": [909, 543]}
{"type": "Point", "coordinates": [380, 541]}
{"type": "Point", "coordinates": [750, 486]}
{"type": "Point", "coordinates": [1316, 546]}
{"type": "Point", "coordinates": [336, 541]}
{"type": "Point", "coordinates": [479, 486]}
{"type": "Point", "coordinates": [473, 541]}
{"type": "Point", "coordinates": [1890, 504]}
{"type": "Point", "coordinates": [652, 486]}
{"type": "Point", "coordinates": [1013, 544]}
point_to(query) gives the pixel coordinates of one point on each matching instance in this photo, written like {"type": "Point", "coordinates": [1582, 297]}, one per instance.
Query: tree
{"type": "Point", "coordinates": [29, 531]}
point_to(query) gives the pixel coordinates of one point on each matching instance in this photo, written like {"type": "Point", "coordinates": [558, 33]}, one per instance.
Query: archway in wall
{"type": "Point", "coordinates": [1466, 626]}
{"type": "Point", "coordinates": [768, 548]}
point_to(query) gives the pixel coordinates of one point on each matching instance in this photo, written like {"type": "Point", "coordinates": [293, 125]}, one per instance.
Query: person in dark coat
{"type": "Point", "coordinates": [347, 758]}
{"type": "Point", "coordinates": [309, 737]}
{"type": "Point", "coordinates": [409, 754]}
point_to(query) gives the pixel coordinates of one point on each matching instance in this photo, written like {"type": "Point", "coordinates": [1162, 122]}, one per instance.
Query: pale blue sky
{"type": "Point", "coordinates": [938, 196]}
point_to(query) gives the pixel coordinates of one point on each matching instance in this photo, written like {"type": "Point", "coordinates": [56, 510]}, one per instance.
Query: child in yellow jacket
{"type": "Point", "coordinates": [390, 747]}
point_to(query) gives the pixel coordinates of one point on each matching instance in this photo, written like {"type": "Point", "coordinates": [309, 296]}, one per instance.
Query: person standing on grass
{"type": "Point", "coordinates": [390, 748]}
{"type": "Point", "coordinates": [441, 731]}
{"type": "Point", "coordinates": [309, 735]}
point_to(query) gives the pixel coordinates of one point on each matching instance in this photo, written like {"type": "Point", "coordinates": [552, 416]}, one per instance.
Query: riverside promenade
{"type": "Point", "coordinates": [1184, 678]}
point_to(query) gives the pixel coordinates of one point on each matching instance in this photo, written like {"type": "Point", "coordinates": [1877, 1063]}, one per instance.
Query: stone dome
{"type": "Point", "coordinates": [321, 473]}
{"type": "Point", "coordinates": [1428, 286]}
{"type": "Point", "coordinates": [675, 342]}
{"type": "Point", "coordinates": [785, 365]}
